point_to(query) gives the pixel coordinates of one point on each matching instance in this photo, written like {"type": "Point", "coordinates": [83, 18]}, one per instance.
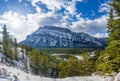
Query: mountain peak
{"type": "Point", "coordinates": [55, 28]}
{"type": "Point", "coordinates": [52, 36]}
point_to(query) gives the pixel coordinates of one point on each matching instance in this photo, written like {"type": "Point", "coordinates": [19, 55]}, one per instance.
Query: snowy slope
{"type": "Point", "coordinates": [22, 76]}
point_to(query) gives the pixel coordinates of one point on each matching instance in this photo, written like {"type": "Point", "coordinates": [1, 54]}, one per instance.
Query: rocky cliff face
{"type": "Point", "coordinates": [51, 36]}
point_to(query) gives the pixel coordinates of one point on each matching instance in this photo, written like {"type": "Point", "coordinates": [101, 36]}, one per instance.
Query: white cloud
{"type": "Point", "coordinates": [6, 0]}
{"type": "Point", "coordinates": [51, 4]}
{"type": "Point", "coordinates": [0, 29]}
{"type": "Point", "coordinates": [16, 24]}
{"type": "Point", "coordinates": [104, 7]}
{"type": "Point", "coordinates": [34, 2]}
{"type": "Point", "coordinates": [14, 20]}
{"type": "Point", "coordinates": [42, 18]}
{"type": "Point", "coordinates": [90, 26]}
{"type": "Point", "coordinates": [21, 26]}
{"type": "Point", "coordinates": [55, 5]}
{"type": "Point", "coordinates": [100, 35]}
{"type": "Point", "coordinates": [71, 8]}
{"type": "Point", "coordinates": [20, 1]}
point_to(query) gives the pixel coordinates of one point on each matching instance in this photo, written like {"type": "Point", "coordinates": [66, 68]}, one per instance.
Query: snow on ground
{"type": "Point", "coordinates": [79, 57]}
{"type": "Point", "coordinates": [9, 73]}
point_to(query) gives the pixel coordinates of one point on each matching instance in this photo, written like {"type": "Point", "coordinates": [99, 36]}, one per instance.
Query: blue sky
{"type": "Point", "coordinates": [23, 17]}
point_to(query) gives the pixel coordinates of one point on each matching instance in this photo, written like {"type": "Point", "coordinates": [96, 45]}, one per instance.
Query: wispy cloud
{"type": "Point", "coordinates": [104, 7]}
{"type": "Point", "coordinates": [90, 26]}
{"type": "Point", "coordinates": [20, 1]}
{"type": "Point", "coordinates": [101, 35]}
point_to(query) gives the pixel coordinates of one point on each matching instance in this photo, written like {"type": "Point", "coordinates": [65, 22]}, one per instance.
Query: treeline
{"type": "Point", "coordinates": [42, 63]}
{"type": "Point", "coordinates": [67, 50]}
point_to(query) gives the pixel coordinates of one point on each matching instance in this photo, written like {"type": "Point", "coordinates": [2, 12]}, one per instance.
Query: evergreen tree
{"type": "Point", "coordinates": [7, 46]}
{"type": "Point", "coordinates": [5, 39]}
{"type": "Point", "coordinates": [86, 67]}
{"type": "Point", "coordinates": [113, 49]}
{"type": "Point", "coordinates": [114, 20]}
{"type": "Point", "coordinates": [110, 25]}
{"type": "Point", "coordinates": [116, 6]}
{"type": "Point", "coordinates": [69, 68]}
{"type": "Point", "coordinates": [44, 64]}
{"type": "Point", "coordinates": [103, 64]}
{"type": "Point", "coordinates": [113, 52]}
{"type": "Point", "coordinates": [15, 49]}
{"type": "Point", "coordinates": [35, 59]}
{"type": "Point", "coordinates": [109, 60]}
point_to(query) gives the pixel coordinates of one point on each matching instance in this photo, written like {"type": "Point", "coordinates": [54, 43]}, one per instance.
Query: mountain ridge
{"type": "Point", "coordinates": [57, 37]}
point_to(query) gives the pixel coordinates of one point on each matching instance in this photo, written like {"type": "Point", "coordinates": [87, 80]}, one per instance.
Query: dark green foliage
{"type": "Point", "coordinates": [115, 34]}
{"type": "Point", "coordinates": [87, 65]}
{"type": "Point", "coordinates": [113, 52]}
{"type": "Point", "coordinates": [41, 62]}
{"type": "Point", "coordinates": [110, 25]}
{"type": "Point", "coordinates": [109, 60]}
{"type": "Point", "coordinates": [5, 39]}
{"type": "Point", "coordinates": [69, 68]}
{"type": "Point", "coordinates": [15, 49]}
{"type": "Point", "coordinates": [35, 59]}
{"type": "Point", "coordinates": [116, 6]}
{"type": "Point", "coordinates": [114, 21]}
{"type": "Point", "coordinates": [103, 65]}
{"type": "Point", "coordinates": [75, 67]}
{"type": "Point", "coordinates": [7, 45]}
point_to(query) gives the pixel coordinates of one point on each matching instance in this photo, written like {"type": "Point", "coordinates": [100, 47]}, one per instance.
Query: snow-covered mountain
{"type": "Point", "coordinates": [51, 36]}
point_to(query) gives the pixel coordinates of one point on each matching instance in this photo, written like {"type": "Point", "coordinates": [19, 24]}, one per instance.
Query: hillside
{"type": "Point", "coordinates": [11, 73]}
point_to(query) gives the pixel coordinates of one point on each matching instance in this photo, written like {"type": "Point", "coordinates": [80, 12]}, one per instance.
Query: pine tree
{"type": "Point", "coordinates": [35, 61]}
{"type": "Point", "coordinates": [5, 39]}
{"type": "Point", "coordinates": [110, 25]}
{"type": "Point", "coordinates": [109, 60]}
{"type": "Point", "coordinates": [86, 64]}
{"type": "Point", "coordinates": [113, 52]}
{"type": "Point", "coordinates": [116, 6]}
{"type": "Point", "coordinates": [7, 46]}
{"type": "Point", "coordinates": [15, 49]}
{"type": "Point", "coordinates": [114, 21]}
{"type": "Point", "coordinates": [113, 49]}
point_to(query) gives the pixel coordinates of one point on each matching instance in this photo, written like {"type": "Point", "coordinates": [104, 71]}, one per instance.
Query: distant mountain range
{"type": "Point", "coordinates": [58, 37]}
